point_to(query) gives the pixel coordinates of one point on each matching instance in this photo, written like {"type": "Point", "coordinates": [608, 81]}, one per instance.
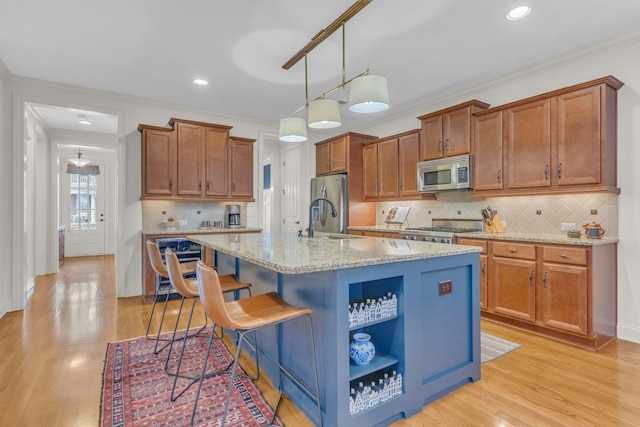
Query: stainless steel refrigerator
{"type": "Point", "coordinates": [334, 188]}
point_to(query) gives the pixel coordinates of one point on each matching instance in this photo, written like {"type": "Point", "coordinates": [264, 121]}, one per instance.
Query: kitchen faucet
{"type": "Point", "coordinates": [334, 212]}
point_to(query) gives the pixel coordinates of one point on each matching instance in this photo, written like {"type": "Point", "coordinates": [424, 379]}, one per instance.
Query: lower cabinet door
{"type": "Point", "coordinates": [512, 290]}
{"type": "Point", "coordinates": [565, 298]}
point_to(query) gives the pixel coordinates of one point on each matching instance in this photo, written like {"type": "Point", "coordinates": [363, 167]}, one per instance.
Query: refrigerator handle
{"type": "Point", "coordinates": [322, 207]}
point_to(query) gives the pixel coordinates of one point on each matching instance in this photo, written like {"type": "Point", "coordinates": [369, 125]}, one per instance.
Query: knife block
{"type": "Point", "coordinates": [494, 225]}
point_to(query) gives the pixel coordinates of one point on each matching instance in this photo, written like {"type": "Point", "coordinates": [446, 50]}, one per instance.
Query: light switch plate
{"type": "Point", "coordinates": [183, 222]}
{"type": "Point", "coordinates": [568, 226]}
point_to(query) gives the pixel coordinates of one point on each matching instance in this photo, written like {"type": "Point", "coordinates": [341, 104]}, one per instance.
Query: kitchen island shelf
{"type": "Point", "coordinates": [375, 322]}
{"type": "Point", "coordinates": [380, 361]}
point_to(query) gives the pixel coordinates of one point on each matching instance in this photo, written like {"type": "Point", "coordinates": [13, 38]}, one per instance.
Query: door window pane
{"type": "Point", "coordinates": [82, 200]}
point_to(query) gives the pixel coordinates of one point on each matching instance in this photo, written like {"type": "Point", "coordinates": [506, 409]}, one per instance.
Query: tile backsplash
{"type": "Point", "coordinates": [522, 214]}
{"type": "Point", "coordinates": [152, 215]}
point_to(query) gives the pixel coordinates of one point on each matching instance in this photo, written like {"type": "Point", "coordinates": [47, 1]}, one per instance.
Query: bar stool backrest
{"type": "Point", "coordinates": [175, 275]}
{"type": "Point", "coordinates": [155, 258]}
{"type": "Point", "coordinates": [211, 296]}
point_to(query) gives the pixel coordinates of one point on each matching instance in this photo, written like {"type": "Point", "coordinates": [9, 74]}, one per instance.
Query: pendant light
{"type": "Point", "coordinates": [368, 94]}
{"type": "Point", "coordinates": [293, 129]}
{"type": "Point", "coordinates": [80, 162]}
{"type": "Point", "coordinates": [324, 114]}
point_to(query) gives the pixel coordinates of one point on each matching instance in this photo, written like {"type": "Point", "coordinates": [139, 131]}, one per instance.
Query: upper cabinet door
{"type": "Point", "coordinates": [241, 167]}
{"type": "Point", "coordinates": [431, 141]}
{"type": "Point", "coordinates": [388, 168]}
{"type": "Point", "coordinates": [158, 162]}
{"type": "Point", "coordinates": [579, 141]}
{"type": "Point", "coordinates": [323, 162]}
{"type": "Point", "coordinates": [457, 132]}
{"type": "Point", "coordinates": [216, 163]}
{"type": "Point", "coordinates": [370, 170]}
{"type": "Point", "coordinates": [408, 152]}
{"type": "Point", "coordinates": [529, 145]}
{"type": "Point", "coordinates": [487, 159]}
{"type": "Point", "coordinates": [338, 155]}
{"type": "Point", "coordinates": [189, 158]}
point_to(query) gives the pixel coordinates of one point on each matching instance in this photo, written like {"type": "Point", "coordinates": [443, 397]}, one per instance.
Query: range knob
{"type": "Point", "coordinates": [405, 237]}
{"type": "Point", "coordinates": [425, 238]}
{"type": "Point", "coordinates": [414, 238]}
{"type": "Point", "coordinates": [445, 240]}
{"type": "Point", "coordinates": [434, 239]}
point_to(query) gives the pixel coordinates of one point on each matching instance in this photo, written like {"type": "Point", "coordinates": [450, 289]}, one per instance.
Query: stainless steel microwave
{"type": "Point", "coordinates": [452, 173]}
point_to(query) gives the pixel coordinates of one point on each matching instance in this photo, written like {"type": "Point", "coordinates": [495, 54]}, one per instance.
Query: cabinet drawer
{"type": "Point", "coordinates": [472, 242]}
{"type": "Point", "coordinates": [565, 255]}
{"type": "Point", "coordinates": [514, 250]}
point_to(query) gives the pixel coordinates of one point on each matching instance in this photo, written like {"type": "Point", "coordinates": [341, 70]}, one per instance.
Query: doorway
{"type": "Point", "coordinates": [82, 212]}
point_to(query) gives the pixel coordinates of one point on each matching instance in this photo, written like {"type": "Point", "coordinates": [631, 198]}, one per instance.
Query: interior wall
{"type": "Point", "coordinates": [619, 57]}
{"type": "Point", "coordinates": [6, 188]}
{"type": "Point", "coordinates": [42, 203]}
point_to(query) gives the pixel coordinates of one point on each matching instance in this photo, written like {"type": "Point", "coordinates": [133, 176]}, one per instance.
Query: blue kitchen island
{"type": "Point", "coordinates": [428, 346]}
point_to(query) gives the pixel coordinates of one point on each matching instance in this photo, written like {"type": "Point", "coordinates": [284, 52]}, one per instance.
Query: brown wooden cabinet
{"type": "Point", "coordinates": [484, 271]}
{"type": "Point", "coordinates": [195, 161]}
{"type": "Point", "coordinates": [241, 153]}
{"type": "Point", "coordinates": [331, 156]}
{"type": "Point", "coordinates": [558, 142]}
{"type": "Point", "coordinates": [564, 291]}
{"type": "Point", "coordinates": [512, 281]}
{"type": "Point", "coordinates": [488, 164]}
{"type": "Point", "coordinates": [389, 167]}
{"type": "Point", "coordinates": [447, 132]}
{"type": "Point", "coordinates": [408, 154]}
{"type": "Point", "coordinates": [370, 171]}
{"type": "Point", "coordinates": [158, 161]}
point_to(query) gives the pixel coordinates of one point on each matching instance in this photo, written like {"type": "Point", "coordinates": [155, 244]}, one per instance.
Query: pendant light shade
{"type": "Point", "coordinates": [80, 162]}
{"type": "Point", "coordinates": [324, 114]}
{"type": "Point", "coordinates": [293, 129]}
{"type": "Point", "coordinates": [368, 94]}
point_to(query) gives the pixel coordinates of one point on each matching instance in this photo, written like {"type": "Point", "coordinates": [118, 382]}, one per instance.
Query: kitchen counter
{"type": "Point", "coordinates": [288, 253]}
{"type": "Point", "coordinates": [560, 239]}
{"type": "Point", "coordinates": [432, 339]}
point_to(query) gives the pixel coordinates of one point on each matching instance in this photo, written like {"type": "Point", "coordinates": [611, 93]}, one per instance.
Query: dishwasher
{"type": "Point", "coordinates": [186, 251]}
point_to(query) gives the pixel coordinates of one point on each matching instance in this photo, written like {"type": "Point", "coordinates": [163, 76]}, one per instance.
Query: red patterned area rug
{"type": "Point", "coordinates": [136, 390]}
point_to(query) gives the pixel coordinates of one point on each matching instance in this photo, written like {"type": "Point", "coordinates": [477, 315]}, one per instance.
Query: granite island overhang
{"type": "Point", "coordinates": [431, 341]}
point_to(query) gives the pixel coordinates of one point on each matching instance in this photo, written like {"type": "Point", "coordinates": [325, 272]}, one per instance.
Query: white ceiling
{"type": "Point", "coordinates": [426, 49]}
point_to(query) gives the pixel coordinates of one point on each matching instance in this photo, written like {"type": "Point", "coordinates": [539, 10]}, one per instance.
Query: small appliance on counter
{"type": "Point", "coordinates": [232, 216]}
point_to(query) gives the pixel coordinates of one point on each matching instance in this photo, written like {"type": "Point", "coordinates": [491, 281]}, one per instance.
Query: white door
{"type": "Point", "coordinates": [292, 220]}
{"type": "Point", "coordinates": [82, 205]}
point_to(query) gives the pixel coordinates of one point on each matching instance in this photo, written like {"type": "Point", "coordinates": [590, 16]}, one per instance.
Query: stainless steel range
{"type": "Point", "coordinates": [442, 230]}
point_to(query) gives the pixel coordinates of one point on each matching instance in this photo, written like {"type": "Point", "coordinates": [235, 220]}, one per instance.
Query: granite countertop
{"type": "Point", "coordinates": [379, 228]}
{"type": "Point", "coordinates": [287, 253]}
{"type": "Point", "coordinates": [201, 230]}
{"type": "Point", "coordinates": [561, 239]}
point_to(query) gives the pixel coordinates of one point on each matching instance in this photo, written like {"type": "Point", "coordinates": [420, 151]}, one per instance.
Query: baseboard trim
{"type": "Point", "coordinates": [629, 333]}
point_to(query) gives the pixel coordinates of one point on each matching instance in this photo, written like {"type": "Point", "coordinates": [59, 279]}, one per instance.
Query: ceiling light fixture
{"type": "Point", "coordinates": [518, 13]}
{"type": "Point", "coordinates": [83, 120]}
{"type": "Point", "coordinates": [80, 162]}
{"type": "Point", "coordinates": [368, 93]}
{"type": "Point", "coordinates": [200, 82]}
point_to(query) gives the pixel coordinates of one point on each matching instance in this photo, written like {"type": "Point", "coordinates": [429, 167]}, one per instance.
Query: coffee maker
{"type": "Point", "coordinates": [232, 216]}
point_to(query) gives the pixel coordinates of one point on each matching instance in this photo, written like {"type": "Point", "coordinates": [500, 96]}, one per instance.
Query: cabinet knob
{"type": "Point", "coordinates": [512, 250]}
{"type": "Point", "coordinates": [439, 146]}
{"type": "Point", "coordinates": [562, 255]}
{"type": "Point", "coordinates": [207, 186]}
{"type": "Point", "coordinates": [546, 171]}
{"type": "Point", "coordinates": [483, 269]}
{"type": "Point", "coordinates": [544, 279]}
{"type": "Point", "coordinates": [499, 176]}
{"type": "Point", "coordinates": [559, 170]}
{"type": "Point", "coordinates": [531, 277]}
{"type": "Point", "coordinates": [170, 184]}
{"type": "Point", "coordinates": [446, 144]}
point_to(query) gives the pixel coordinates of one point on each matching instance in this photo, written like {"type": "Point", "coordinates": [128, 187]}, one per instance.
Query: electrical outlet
{"type": "Point", "coordinates": [445, 288]}
{"type": "Point", "coordinates": [568, 226]}
{"type": "Point", "coordinates": [183, 222]}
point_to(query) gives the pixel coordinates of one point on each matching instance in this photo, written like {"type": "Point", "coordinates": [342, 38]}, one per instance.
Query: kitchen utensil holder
{"type": "Point", "coordinates": [494, 225]}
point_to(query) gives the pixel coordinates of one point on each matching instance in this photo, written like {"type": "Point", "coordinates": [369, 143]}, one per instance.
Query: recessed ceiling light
{"type": "Point", "coordinates": [83, 120]}
{"type": "Point", "coordinates": [200, 82]}
{"type": "Point", "coordinates": [518, 13]}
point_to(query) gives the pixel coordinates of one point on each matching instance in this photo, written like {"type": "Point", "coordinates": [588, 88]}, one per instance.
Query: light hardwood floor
{"type": "Point", "coordinates": [51, 362]}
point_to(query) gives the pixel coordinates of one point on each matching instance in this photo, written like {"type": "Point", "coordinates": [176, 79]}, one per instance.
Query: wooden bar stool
{"type": "Point", "coordinates": [188, 289]}
{"type": "Point", "coordinates": [158, 265]}
{"type": "Point", "coordinates": [247, 315]}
